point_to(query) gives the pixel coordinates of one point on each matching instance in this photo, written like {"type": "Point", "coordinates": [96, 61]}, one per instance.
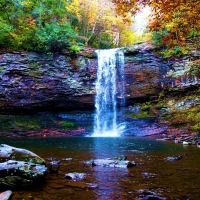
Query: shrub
{"type": "Point", "coordinates": [54, 37]}
{"type": "Point", "coordinates": [74, 49]}
{"type": "Point", "coordinates": [68, 125]}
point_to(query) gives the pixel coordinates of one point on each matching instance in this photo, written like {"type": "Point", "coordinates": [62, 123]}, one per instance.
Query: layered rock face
{"type": "Point", "coordinates": [33, 81]}
{"type": "Point", "coordinates": [147, 73]}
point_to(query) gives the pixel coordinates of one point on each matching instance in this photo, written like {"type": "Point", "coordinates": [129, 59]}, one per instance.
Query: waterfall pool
{"type": "Point", "coordinates": [153, 173]}
{"type": "Point", "coordinates": [174, 180]}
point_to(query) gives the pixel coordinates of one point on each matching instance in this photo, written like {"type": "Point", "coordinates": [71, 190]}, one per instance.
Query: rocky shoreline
{"type": "Point", "coordinates": [171, 134]}
{"type": "Point", "coordinates": [178, 136]}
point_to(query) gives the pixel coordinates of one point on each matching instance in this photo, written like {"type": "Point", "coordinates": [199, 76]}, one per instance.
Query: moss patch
{"type": "Point", "coordinates": [188, 118]}
{"type": "Point", "coordinates": [23, 123]}
{"type": "Point", "coordinates": [68, 125]}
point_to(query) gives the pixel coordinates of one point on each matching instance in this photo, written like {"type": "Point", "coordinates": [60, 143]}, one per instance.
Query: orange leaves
{"type": "Point", "coordinates": [179, 18]}
{"type": "Point", "coordinates": [30, 21]}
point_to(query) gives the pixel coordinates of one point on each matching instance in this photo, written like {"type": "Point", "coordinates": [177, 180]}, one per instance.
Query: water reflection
{"type": "Point", "coordinates": [108, 178]}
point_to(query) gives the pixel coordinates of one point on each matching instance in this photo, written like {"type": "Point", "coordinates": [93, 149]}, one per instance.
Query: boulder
{"type": "Point", "coordinates": [20, 168]}
{"type": "Point", "coordinates": [23, 169]}
{"type": "Point", "coordinates": [5, 195]}
{"type": "Point", "coordinates": [154, 197]}
{"type": "Point", "coordinates": [15, 182]}
{"type": "Point", "coordinates": [12, 153]}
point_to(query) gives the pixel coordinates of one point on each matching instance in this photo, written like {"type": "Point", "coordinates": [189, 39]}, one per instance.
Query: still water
{"type": "Point", "coordinates": [174, 180]}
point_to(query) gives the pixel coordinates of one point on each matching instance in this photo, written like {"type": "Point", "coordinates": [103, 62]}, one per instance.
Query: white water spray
{"type": "Point", "coordinates": [110, 69]}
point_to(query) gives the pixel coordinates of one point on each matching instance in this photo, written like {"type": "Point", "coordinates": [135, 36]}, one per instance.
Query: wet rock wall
{"type": "Point", "coordinates": [35, 81]}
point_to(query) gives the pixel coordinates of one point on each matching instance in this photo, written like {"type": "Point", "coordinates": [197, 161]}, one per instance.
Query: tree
{"type": "Point", "coordinates": [174, 21]}
{"type": "Point", "coordinates": [54, 25]}
{"type": "Point", "coordinates": [35, 25]}
{"type": "Point", "coordinates": [98, 24]}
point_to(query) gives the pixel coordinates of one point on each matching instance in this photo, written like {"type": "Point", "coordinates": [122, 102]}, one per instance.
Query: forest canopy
{"type": "Point", "coordinates": [172, 22]}
{"type": "Point", "coordinates": [55, 25]}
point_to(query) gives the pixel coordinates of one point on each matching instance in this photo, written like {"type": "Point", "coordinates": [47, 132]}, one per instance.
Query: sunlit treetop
{"type": "Point", "coordinates": [177, 20]}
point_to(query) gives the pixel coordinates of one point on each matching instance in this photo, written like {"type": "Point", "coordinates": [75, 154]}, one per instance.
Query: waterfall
{"type": "Point", "coordinates": [109, 88]}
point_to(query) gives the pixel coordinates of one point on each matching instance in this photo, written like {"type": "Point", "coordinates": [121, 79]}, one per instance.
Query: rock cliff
{"type": "Point", "coordinates": [33, 81]}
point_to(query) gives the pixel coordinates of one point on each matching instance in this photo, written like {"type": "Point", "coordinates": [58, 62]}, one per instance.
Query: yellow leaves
{"type": "Point", "coordinates": [178, 18]}
{"type": "Point", "coordinates": [170, 26]}
{"type": "Point", "coordinates": [97, 18]}
{"type": "Point", "coordinates": [127, 37]}
{"type": "Point", "coordinates": [27, 3]}
{"type": "Point", "coordinates": [74, 9]}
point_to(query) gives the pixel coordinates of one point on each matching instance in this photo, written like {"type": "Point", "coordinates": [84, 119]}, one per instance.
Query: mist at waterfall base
{"type": "Point", "coordinates": [109, 93]}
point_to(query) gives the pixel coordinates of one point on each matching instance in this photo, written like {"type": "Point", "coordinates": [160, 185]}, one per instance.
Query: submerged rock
{"type": "Point", "coordinates": [81, 185]}
{"type": "Point", "coordinates": [172, 159]}
{"type": "Point", "coordinates": [15, 182]}
{"type": "Point", "coordinates": [67, 159]}
{"type": "Point", "coordinates": [154, 197]}
{"type": "Point", "coordinates": [149, 195]}
{"type": "Point", "coordinates": [54, 165]}
{"type": "Point", "coordinates": [5, 195]}
{"type": "Point", "coordinates": [75, 176]}
{"type": "Point", "coordinates": [112, 163]}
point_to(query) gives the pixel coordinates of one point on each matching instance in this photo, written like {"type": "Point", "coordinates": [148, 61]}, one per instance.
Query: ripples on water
{"type": "Point", "coordinates": [174, 180]}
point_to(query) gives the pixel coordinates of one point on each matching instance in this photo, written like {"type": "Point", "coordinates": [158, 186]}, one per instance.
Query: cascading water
{"type": "Point", "coordinates": [109, 86]}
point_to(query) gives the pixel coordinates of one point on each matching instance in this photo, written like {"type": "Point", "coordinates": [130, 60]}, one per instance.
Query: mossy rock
{"type": "Point", "coordinates": [15, 182]}
{"type": "Point", "coordinates": [11, 153]}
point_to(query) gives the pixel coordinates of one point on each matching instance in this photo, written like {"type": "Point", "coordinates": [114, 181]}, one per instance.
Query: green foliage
{"type": "Point", "coordinates": [35, 64]}
{"type": "Point", "coordinates": [157, 38]}
{"type": "Point", "coordinates": [146, 107]}
{"type": "Point", "coordinates": [193, 33]}
{"type": "Point", "coordinates": [5, 33]}
{"type": "Point", "coordinates": [194, 117]}
{"type": "Point", "coordinates": [145, 110]}
{"type": "Point", "coordinates": [54, 37]}
{"type": "Point", "coordinates": [53, 26]}
{"type": "Point", "coordinates": [175, 51]}
{"type": "Point", "coordinates": [24, 124]}
{"type": "Point", "coordinates": [35, 25]}
{"type": "Point", "coordinates": [2, 69]}
{"type": "Point", "coordinates": [74, 49]}
{"type": "Point", "coordinates": [105, 41]}
{"type": "Point", "coordinates": [195, 68]}
{"type": "Point", "coordinates": [68, 125]}
{"type": "Point", "coordinates": [141, 114]}
{"type": "Point", "coordinates": [35, 73]}
{"type": "Point", "coordinates": [5, 123]}
{"type": "Point", "coordinates": [189, 118]}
